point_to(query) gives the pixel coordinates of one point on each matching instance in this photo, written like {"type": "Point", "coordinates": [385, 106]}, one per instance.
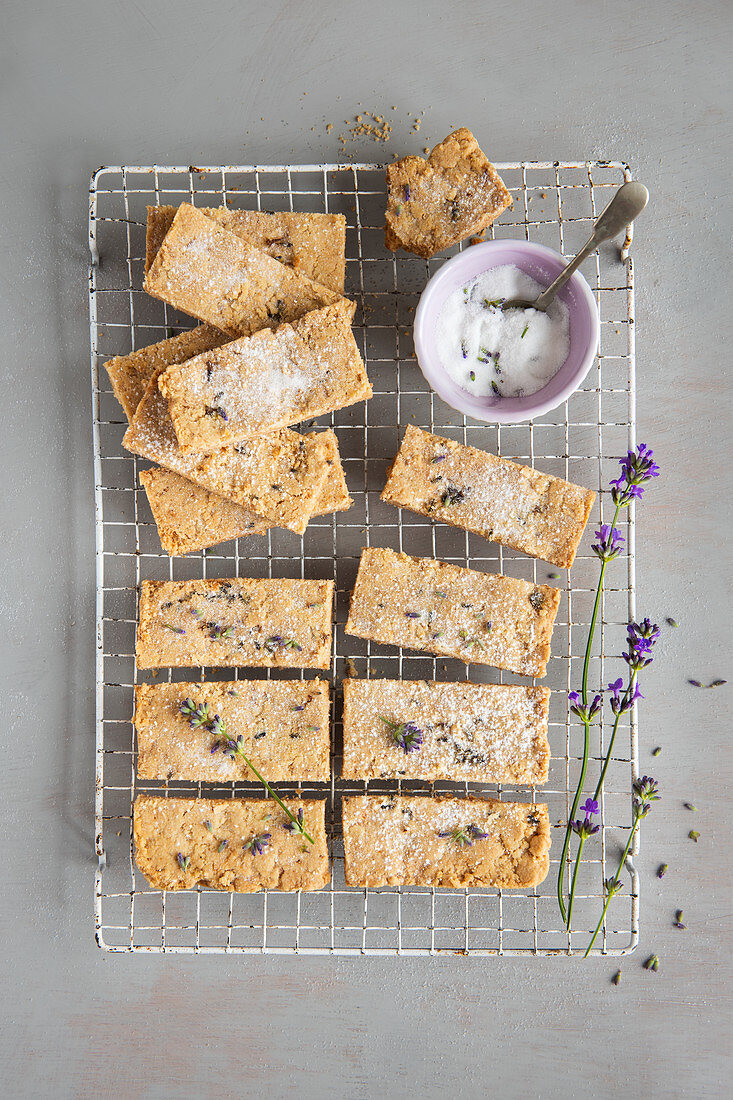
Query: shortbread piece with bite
{"type": "Point", "coordinates": [435, 203]}
{"type": "Point", "coordinates": [237, 844]}
{"type": "Point", "coordinates": [189, 517]}
{"type": "Point", "coordinates": [312, 244]}
{"type": "Point", "coordinates": [480, 618]}
{"type": "Point", "coordinates": [184, 731]}
{"type": "Point", "coordinates": [221, 279]}
{"type": "Point", "coordinates": [270, 380]}
{"type": "Point", "coordinates": [414, 729]}
{"type": "Point", "coordinates": [510, 504]}
{"type": "Point", "coordinates": [278, 477]}
{"type": "Point", "coordinates": [238, 621]}
{"type": "Point", "coordinates": [398, 840]}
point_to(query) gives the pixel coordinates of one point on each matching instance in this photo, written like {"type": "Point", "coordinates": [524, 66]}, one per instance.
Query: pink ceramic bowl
{"type": "Point", "coordinates": [543, 265]}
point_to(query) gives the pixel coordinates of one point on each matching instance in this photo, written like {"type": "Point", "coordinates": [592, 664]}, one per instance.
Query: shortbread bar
{"type": "Point", "coordinates": [514, 505]}
{"type": "Point", "coordinates": [184, 730]}
{"type": "Point", "coordinates": [312, 244]}
{"type": "Point", "coordinates": [480, 618]}
{"type": "Point", "coordinates": [477, 733]}
{"type": "Point", "coordinates": [130, 374]}
{"type": "Point", "coordinates": [236, 844]}
{"type": "Point", "coordinates": [394, 840]}
{"type": "Point", "coordinates": [239, 621]}
{"type": "Point", "coordinates": [278, 477]}
{"type": "Point", "coordinates": [189, 517]}
{"type": "Point", "coordinates": [227, 282]}
{"type": "Point", "coordinates": [435, 203]}
{"type": "Point", "coordinates": [270, 380]}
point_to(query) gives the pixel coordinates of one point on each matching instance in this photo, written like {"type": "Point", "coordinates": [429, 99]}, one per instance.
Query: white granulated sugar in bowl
{"type": "Point", "coordinates": [486, 351]}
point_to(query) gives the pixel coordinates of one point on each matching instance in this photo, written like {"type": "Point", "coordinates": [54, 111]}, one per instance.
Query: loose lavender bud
{"type": "Point", "coordinates": [694, 835]}
{"type": "Point", "coordinates": [656, 752]}
{"type": "Point", "coordinates": [652, 963]}
{"type": "Point", "coordinates": [677, 923]}
{"type": "Point", "coordinates": [183, 861]}
{"type": "Point", "coordinates": [222, 846]}
{"type": "Point", "coordinates": [174, 629]}
{"type": "Point", "coordinates": [689, 806]}
{"type": "Point", "coordinates": [662, 870]}
{"type": "Point", "coordinates": [616, 978]}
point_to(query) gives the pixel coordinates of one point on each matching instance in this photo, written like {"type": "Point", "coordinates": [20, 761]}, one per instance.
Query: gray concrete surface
{"type": "Point", "coordinates": [90, 83]}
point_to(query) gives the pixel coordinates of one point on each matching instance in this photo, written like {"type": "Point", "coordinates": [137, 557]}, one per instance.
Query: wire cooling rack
{"type": "Point", "coordinates": [554, 204]}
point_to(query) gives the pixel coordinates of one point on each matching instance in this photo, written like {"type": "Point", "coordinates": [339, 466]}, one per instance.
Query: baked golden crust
{"type": "Point", "coordinates": [489, 733]}
{"type": "Point", "coordinates": [395, 840]}
{"type": "Point", "coordinates": [238, 621]}
{"type": "Point", "coordinates": [514, 505]}
{"type": "Point", "coordinates": [284, 726]}
{"type": "Point", "coordinates": [312, 244]}
{"type": "Point", "coordinates": [481, 618]}
{"type": "Point", "coordinates": [185, 842]}
{"type": "Point", "coordinates": [221, 279]}
{"type": "Point", "coordinates": [435, 203]}
{"type": "Point", "coordinates": [270, 380]}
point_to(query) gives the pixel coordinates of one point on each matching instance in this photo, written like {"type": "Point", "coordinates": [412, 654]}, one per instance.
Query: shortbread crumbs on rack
{"type": "Point", "coordinates": [238, 621]}
{"type": "Point", "coordinates": [514, 505]}
{"type": "Point", "coordinates": [480, 618]}
{"type": "Point", "coordinates": [225, 281]}
{"type": "Point", "coordinates": [241, 845]}
{"type": "Point", "coordinates": [398, 840]}
{"type": "Point", "coordinates": [488, 733]}
{"type": "Point", "coordinates": [284, 726]}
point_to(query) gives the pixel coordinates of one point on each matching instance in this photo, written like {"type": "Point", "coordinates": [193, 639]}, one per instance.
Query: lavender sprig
{"type": "Point", "coordinates": [637, 469]}
{"type": "Point", "coordinates": [405, 734]}
{"type": "Point", "coordinates": [198, 715]}
{"type": "Point", "coordinates": [646, 791]}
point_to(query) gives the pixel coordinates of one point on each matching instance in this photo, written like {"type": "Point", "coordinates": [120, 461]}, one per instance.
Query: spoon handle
{"type": "Point", "coordinates": [626, 204]}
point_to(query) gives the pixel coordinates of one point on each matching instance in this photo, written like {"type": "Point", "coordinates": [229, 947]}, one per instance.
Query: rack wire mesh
{"type": "Point", "coordinates": [554, 204]}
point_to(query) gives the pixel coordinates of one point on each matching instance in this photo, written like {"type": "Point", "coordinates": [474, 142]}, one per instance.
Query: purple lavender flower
{"type": "Point", "coordinates": [609, 543]}
{"type": "Point", "coordinates": [407, 192]}
{"type": "Point", "coordinates": [584, 827]}
{"type": "Point", "coordinates": [641, 638]}
{"type": "Point", "coordinates": [257, 843]}
{"type": "Point", "coordinates": [620, 704]}
{"type": "Point", "coordinates": [636, 469]}
{"type": "Point", "coordinates": [295, 826]}
{"type": "Point", "coordinates": [197, 714]}
{"type": "Point", "coordinates": [463, 837]}
{"type": "Point", "coordinates": [183, 861]}
{"type": "Point", "coordinates": [405, 734]}
{"type": "Point", "coordinates": [586, 711]}
{"type": "Point", "coordinates": [646, 791]}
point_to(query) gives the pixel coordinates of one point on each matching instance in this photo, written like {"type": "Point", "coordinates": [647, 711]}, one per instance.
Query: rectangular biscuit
{"type": "Point", "coordinates": [130, 374]}
{"type": "Point", "coordinates": [477, 733]}
{"type": "Point", "coordinates": [221, 279]}
{"type": "Point", "coordinates": [284, 726]}
{"type": "Point", "coordinates": [270, 380]}
{"type": "Point", "coordinates": [239, 621]}
{"type": "Point", "coordinates": [514, 505]}
{"type": "Point", "coordinates": [278, 477]}
{"type": "Point", "coordinates": [481, 618]}
{"type": "Point", "coordinates": [189, 517]}
{"type": "Point", "coordinates": [396, 840]}
{"type": "Point", "coordinates": [185, 842]}
{"type": "Point", "coordinates": [312, 244]}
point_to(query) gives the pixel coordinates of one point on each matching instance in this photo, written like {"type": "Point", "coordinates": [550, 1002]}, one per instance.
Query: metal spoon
{"type": "Point", "coordinates": [626, 204]}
